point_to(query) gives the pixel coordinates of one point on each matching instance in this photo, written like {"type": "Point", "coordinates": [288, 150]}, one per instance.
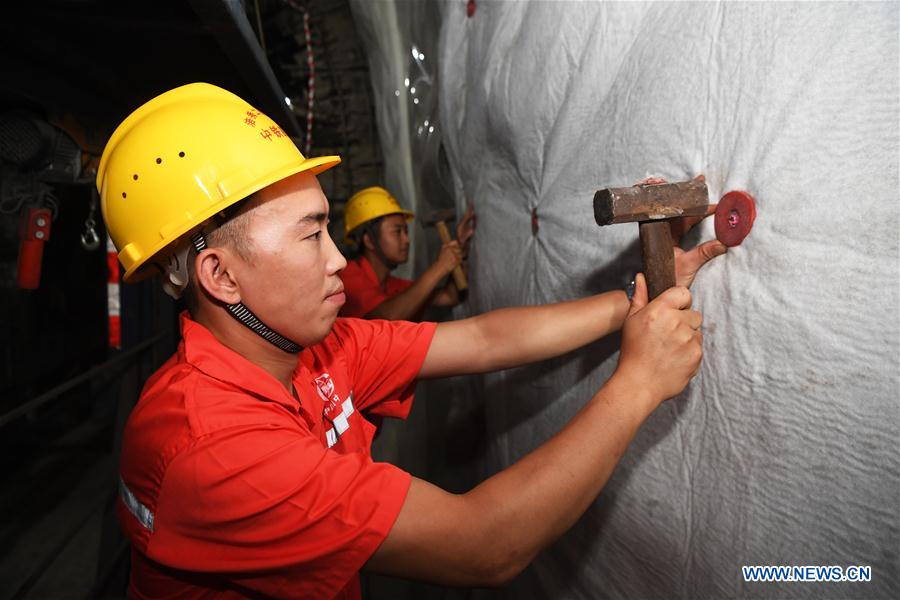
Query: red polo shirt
{"type": "Point", "coordinates": [231, 486]}
{"type": "Point", "coordinates": [364, 291]}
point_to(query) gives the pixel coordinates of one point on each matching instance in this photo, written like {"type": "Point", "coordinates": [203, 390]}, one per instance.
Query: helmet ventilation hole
{"type": "Point", "coordinates": [124, 194]}
{"type": "Point", "coordinates": [134, 176]}
{"type": "Point", "coordinates": [158, 161]}
{"type": "Point", "coordinates": [181, 154]}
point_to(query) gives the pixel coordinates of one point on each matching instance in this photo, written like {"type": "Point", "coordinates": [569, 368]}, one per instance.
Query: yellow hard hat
{"type": "Point", "coordinates": [369, 204]}
{"type": "Point", "coordinates": [181, 158]}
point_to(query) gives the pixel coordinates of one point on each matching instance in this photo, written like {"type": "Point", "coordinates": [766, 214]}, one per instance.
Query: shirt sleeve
{"type": "Point", "coordinates": [270, 509]}
{"type": "Point", "coordinates": [383, 360]}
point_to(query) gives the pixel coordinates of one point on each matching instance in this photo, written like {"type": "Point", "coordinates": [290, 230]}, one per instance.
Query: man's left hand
{"type": "Point", "coordinates": [688, 262]}
{"type": "Point", "coordinates": [465, 229]}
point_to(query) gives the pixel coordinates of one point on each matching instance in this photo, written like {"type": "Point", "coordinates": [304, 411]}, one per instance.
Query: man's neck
{"type": "Point", "coordinates": [381, 270]}
{"type": "Point", "coordinates": [237, 337]}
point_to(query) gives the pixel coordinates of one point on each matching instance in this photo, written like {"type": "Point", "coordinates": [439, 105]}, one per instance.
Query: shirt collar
{"type": "Point", "coordinates": [368, 270]}
{"type": "Point", "coordinates": [200, 348]}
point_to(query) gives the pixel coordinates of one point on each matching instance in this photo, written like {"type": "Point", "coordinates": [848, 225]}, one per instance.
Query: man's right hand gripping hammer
{"type": "Point", "coordinates": [661, 342]}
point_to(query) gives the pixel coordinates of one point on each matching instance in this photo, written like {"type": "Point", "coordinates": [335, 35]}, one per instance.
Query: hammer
{"type": "Point", "coordinates": [652, 205]}
{"type": "Point", "coordinates": [438, 218]}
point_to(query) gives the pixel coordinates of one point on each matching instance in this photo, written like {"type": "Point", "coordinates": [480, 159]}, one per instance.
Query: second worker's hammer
{"type": "Point", "coordinates": [652, 205]}
{"type": "Point", "coordinates": [438, 218]}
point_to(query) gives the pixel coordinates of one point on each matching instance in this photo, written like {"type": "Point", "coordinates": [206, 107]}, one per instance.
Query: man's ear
{"type": "Point", "coordinates": [367, 241]}
{"type": "Point", "coordinates": [214, 277]}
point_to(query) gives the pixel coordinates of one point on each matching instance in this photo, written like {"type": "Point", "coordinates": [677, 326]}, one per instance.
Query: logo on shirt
{"type": "Point", "coordinates": [325, 387]}
{"type": "Point", "coordinates": [335, 413]}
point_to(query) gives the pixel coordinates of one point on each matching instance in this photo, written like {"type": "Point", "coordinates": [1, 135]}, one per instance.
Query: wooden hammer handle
{"type": "Point", "coordinates": [657, 256]}
{"type": "Point", "coordinates": [459, 277]}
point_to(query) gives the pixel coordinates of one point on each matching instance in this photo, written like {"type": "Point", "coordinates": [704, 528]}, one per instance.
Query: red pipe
{"type": "Point", "coordinates": [34, 232]}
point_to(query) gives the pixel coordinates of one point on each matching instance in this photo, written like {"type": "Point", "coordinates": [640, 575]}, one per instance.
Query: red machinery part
{"type": "Point", "coordinates": [113, 308]}
{"type": "Point", "coordinates": [34, 231]}
{"type": "Point", "coordinates": [470, 8]}
{"type": "Point", "coordinates": [734, 217]}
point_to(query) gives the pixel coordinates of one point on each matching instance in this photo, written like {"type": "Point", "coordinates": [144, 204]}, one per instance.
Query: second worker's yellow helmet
{"type": "Point", "coordinates": [367, 205]}
{"type": "Point", "coordinates": [183, 157]}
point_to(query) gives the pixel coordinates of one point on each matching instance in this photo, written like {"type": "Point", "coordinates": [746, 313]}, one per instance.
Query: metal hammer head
{"type": "Point", "coordinates": [651, 202]}
{"type": "Point", "coordinates": [438, 215]}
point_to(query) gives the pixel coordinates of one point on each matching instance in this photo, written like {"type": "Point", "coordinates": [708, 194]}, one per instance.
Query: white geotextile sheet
{"type": "Point", "coordinates": [784, 450]}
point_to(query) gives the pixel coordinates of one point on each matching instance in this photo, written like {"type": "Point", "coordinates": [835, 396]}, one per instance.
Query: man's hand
{"type": "Point", "coordinates": [687, 263]}
{"type": "Point", "coordinates": [465, 229]}
{"type": "Point", "coordinates": [661, 342]}
{"type": "Point", "coordinates": [407, 304]}
{"type": "Point", "coordinates": [450, 257]}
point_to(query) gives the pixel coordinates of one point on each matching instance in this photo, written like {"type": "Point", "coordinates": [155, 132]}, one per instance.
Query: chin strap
{"type": "Point", "coordinates": [246, 316]}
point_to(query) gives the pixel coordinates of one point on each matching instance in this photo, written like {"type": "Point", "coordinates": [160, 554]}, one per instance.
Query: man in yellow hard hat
{"type": "Point", "coordinates": [245, 467]}
{"type": "Point", "coordinates": [376, 226]}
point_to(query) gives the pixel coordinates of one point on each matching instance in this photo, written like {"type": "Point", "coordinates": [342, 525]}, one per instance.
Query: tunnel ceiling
{"type": "Point", "coordinates": [85, 64]}
{"type": "Point", "coordinates": [95, 61]}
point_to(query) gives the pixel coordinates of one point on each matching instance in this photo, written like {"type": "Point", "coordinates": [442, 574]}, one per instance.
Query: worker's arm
{"type": "Point", "coordinates": [488, 535]}
{"type": "Point", "coordinates": [511, 337]}
{"type": "Point", "coordinates": [409, 302]}
{"type": "Point", "coordinates": [447, 296]}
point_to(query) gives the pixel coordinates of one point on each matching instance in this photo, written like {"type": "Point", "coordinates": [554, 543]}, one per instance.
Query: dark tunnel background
{"type": "Point", "coordinates": [72, 70]}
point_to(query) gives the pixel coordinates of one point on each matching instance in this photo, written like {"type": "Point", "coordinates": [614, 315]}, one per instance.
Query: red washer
{"type": "Point", "coordinates": [734, 217]}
